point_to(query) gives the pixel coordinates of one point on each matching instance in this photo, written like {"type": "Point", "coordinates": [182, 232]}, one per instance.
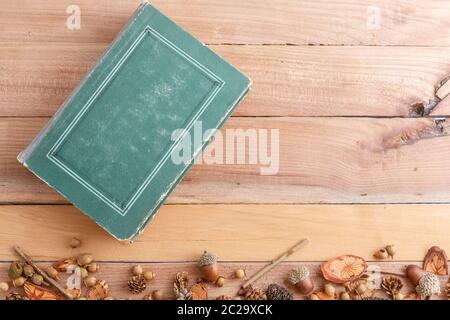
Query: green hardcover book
{"type": "Point", "coordinates": [109, 148]}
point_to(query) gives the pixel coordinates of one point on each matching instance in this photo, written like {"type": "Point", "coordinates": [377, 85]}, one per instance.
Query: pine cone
{"type": "Point", "coordinates": [255, 294]}
{"type": "Point", "coordinates": [276, 292]}
{"type": "Point", "coordinates": [137, 284]}
{"type": "Point", "coordinates": [13, 296]}
{"type": "Point", "coordinates": [392, 285]}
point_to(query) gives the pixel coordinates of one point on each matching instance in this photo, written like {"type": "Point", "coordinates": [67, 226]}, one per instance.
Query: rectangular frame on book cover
{"type": "Point", "coordinates": [108, 149]}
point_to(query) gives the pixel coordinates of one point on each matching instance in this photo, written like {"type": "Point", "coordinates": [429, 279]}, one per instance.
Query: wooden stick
{"type": "Point", "coordinates": [275, 262]}
{"type": "Point", "coordinates": [42, 273]}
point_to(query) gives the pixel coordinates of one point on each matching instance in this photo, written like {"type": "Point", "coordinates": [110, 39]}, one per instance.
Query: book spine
{"type": "Point", "coordinates": [25, 154]}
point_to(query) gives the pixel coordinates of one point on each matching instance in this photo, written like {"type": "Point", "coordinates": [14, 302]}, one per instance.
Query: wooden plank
{"type": "Point", "coordinates": [288, 81]}
{"type": "Point", "coordinates": [117, 275]}
{"type": "Point", "coordinates": [321, 160]}
{"type": "Point", "coordinates": [234, 232]}
{"type": "Point", "coordinates": [355, 22]}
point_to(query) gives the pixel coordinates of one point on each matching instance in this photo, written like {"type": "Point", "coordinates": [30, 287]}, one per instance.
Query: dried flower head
{"type": "Point", "coordinates": [428, 285]}
{"type": "Point", "coordinates": [137, 284]}
{"type": "Point", "coordinates": [297, 275]}
{"type": "Point", "coordinates": [207, 258]}
{"type": "Point", "coordinates": [180, 286]}
{"type": "Point", "coordinates": [392, 285]}
{"type": "Point", "coordinates": [277, 292]}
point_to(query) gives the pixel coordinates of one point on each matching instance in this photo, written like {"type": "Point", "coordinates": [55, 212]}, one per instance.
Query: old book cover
{"type": "Point", "coordinates": [109, 148]}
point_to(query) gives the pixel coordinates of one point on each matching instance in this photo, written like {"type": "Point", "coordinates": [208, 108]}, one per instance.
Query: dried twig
{"type": "Point", "coordinates": [42, 273]}
{"type": "Point", "coordinates": [275, 262]}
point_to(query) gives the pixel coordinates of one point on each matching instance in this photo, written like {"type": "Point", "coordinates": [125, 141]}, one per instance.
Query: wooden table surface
{"type": "Point", "coordinates": [357, 170]}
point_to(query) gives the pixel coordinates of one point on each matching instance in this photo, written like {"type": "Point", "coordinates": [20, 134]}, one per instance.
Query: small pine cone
{"type": "Point", "coordinates": [223, 297]}
{"type": "Point", "coordinates": [255, 294]}
{"type": "Point", "coordinates": [137, 284]}
{"type": "Point", "coordinates": [13, 296]}
{"type": "Point", "coordinates": [276, 292]}
{"type": "Point", "coordinates": [392, 285]}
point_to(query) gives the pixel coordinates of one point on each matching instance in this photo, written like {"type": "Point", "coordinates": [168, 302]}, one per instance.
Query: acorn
{"type": "Point", "coordinates": [4, 286]}
{"type": "Point", "coordinates": [329, 290]}
{"type": "Point", "coordinates": [90, 281]}
{"type": "Point", "coordinates": [414, 273]}
{"type": "Point", "coordinates": [84, 259]}
{"type": "Point", "coordinates": [137, 270]}
{"type": "Point", "coordinates": [209, 267]}
{"type": "Point", "coordinates": [92, 267]}
{"type": "Point", "coordinates": [391, 251]}
{"type": "Point", "coordinates": [19, 282]}
{"type": "Point", "coordinates": [37, 279]}
{"type": "Point", "coordinates": [239, 274]}
{"type": "Point", "coordinates": [345, 296]}
{"type": "Point", "coordinates": [52, 272]}
{"type": "Point", "coordinates": [300, 278]}
{"type": "Point", "coordinates": [149, 275]}
{"type": "Point", "coordinates": [381, 254]}
{"type": "Point", "coordinates": [28, 270]}
{"type": "Point", "coordinates": [15, 270]}
{"type": "Point", "coordinates": [75, 243]}
{"type": "Point", "coordinates": [427, 284]}
{"type": "Point", "coordinates": [220, 281]}
{"type": "Point", "coordinates": [157, 295]}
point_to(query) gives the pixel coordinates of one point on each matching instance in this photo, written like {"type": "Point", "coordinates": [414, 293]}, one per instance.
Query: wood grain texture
{"type": "Point", "coordinates": [354, 22]}
{"type": "Point", "coordinates": [117, 275]}
{"type": "Point", "coordinates": [321, 160]}
{"type": "Point", "coordinates": [36, 78]}
{"type": "Point", "coordinates": [234, 232]}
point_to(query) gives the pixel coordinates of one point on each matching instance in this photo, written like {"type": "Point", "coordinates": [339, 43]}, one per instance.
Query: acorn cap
{"type": "Point", "coordinates": [428, 285]}
{"type": "Point", "coordinates": [207, 258]}
{"type": "Point", "coordinates": [298, 275]}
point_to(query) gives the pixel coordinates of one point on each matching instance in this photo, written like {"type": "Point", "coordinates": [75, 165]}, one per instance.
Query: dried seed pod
{"type": "Point", "coordinates": [209, 267]}
{"type": "Point", "coordinates": [277, 292]}
{"type": "Point", "coordinates": [28, 270]}
{"type": "Point", "coordinates": [240, 273]}
{"type": "Point", "coordinates": [343, 269]}
{"type": "Point", "coordinates": [149, 275]}
{"type": "Point", "coordinates": [52, 272]}
{"type": "Point", "coordinates": [300, 278]}
{"type": "Point", "coordinates": [329, 290]}
{"type": "Point", "coordinates": [90, 281]}
{"type": "Point", "coordinates": [75, 243]}
{"type": "Point", "coordinates": [220, 282]}
{"type": "Point", "coordinates": [15, 270]}
{"type": "Point", "coordinates": [84, 259]}
{"type": "Point", "coordinates": [381, 254]}
{"type": "Point", "coordinates": [19, 282]}
{"type": "Point", "coordinates": [137, 270]}
{"type": "Point", "coordinates": [4, 286]}
{"type": "Point", "coordinates": [391, 250]}
{"type": "Point", "coordinates": [157, 295]}
{"type": "Point", "coordinates": [92, 267]}
{"type": "Point", "coordinates": [37, 279]}
{"type": "Point", "coordinates": [428, 285]}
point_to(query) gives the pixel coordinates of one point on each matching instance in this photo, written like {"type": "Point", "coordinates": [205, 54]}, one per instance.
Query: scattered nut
{"type": "Point", "coordinates": [19, 282]}
{"type": "Point", "coordinates": [329, 290]}
{"type": "Point", "coordinates": [37, 279]}
{"type": "Point", "coordinates": [51, 272]}
{"type": "Point", "coordinates": [4, 286]}
{"type": "Point", "coordinates": [137, 270]}
{"type": "Point", "coordinates": [15, 270]}
{"type": "Point", "coordinates": [149, 275]}
{"type": "Point", "coordinates": [381, 254]}
{"type": "Point", "coordinates": [240, 273]}
{"type": "Point", "coordinates": [90, 281]}
{"type": "Point", "coordinates": [92, 267]}
{"type": "Point", "coordinates": [345, 296]}
{"type": "Point", "coordinates": [157, 295]}
{"type": "Point", "coordinates": [314, 297]}
{"type": "Point", "coordinates": [220, 281]}
{"type": "Point", "coordinates": [82, 272]}
{"type": "Point", "coordinates": [28, 270]}
{"type": "Point", "coordinates": [390, 249]}
{"type": "Point", "coordinates": [75, 243]}
{"type": "Point", "coordinates": [84, 259]}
